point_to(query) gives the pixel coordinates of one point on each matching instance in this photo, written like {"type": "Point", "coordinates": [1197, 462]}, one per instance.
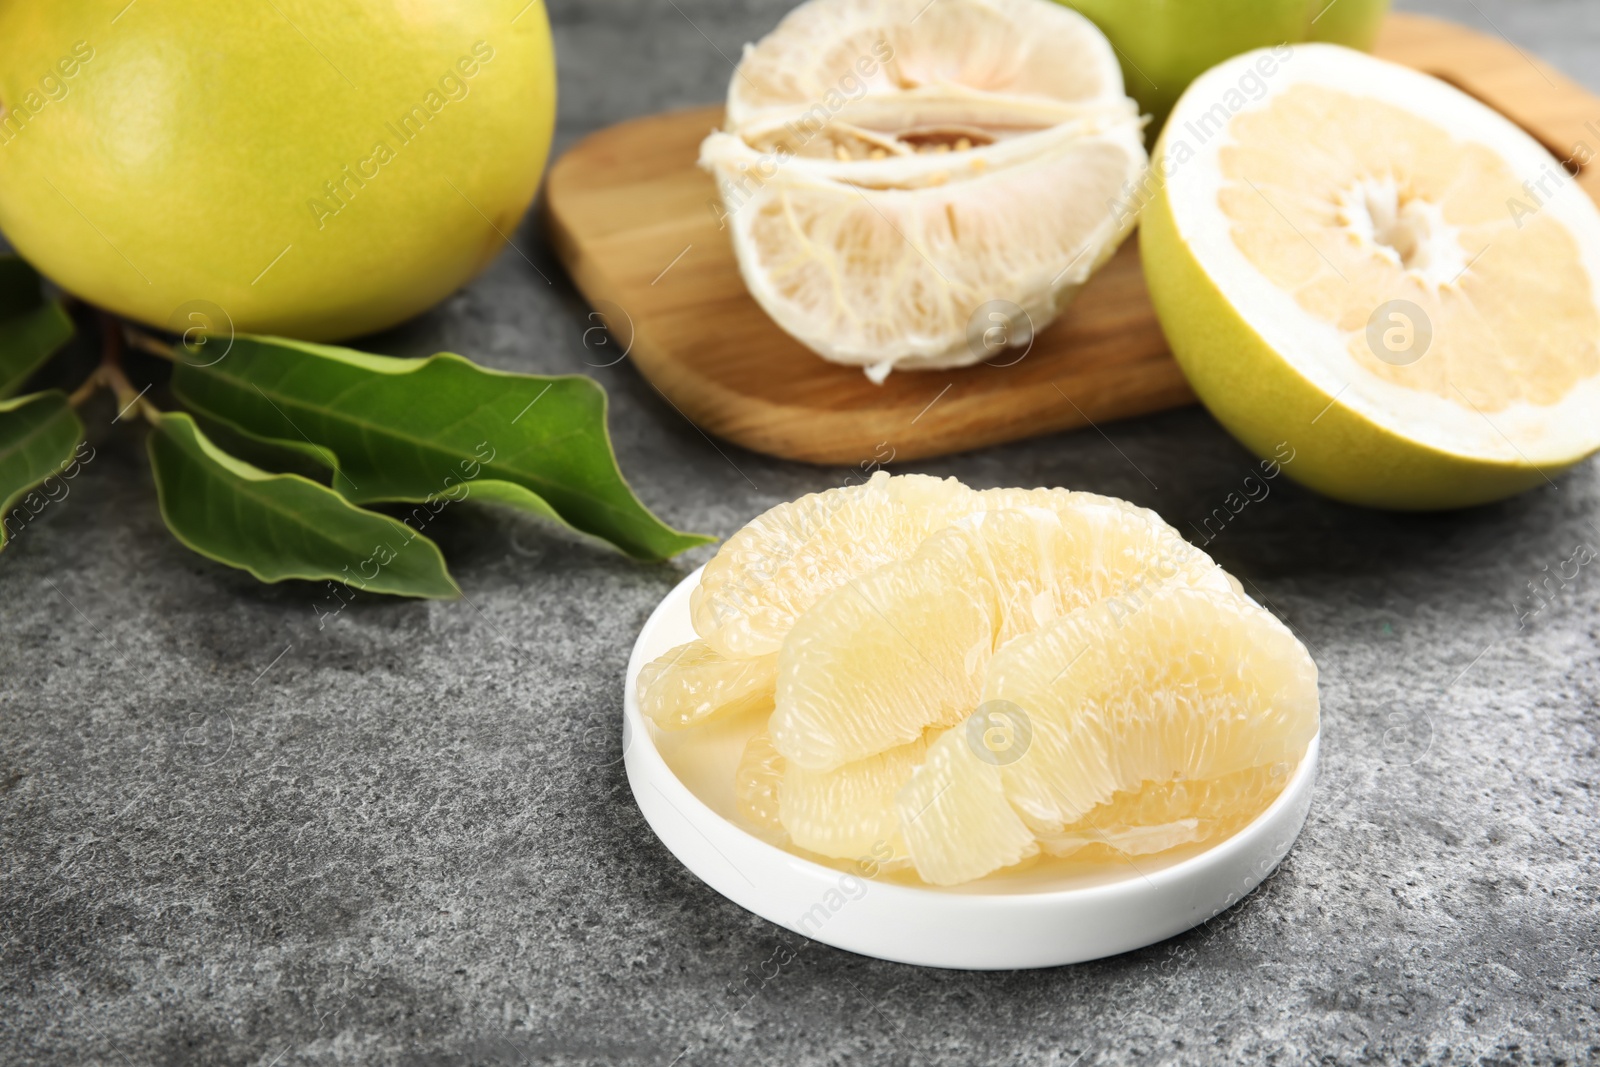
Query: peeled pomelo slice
{"type": "Point", "coordinates": [1193, 685]}
{"type": "Point", "coordinates": [1078, 550]}
{"type": "Point", "coordinates": [849, 812]}
{"type": "Point", "coordinates": [756, 784]}
{"type": "Point", "coordinates": [955, 819]}
{"type": "Point", "coordinates": [1162, 815]}
{"type": "Point", "coordinates": [774, 568]}
{"type": "Point", "coordinates": [1197, 686]}
{"type": "Point", "coordinates": [780, 562]}
{"type": "Point", "coordinates": [890, 166]}
{"type": "Point", "coordinates": [1379, 273]}
{"type": "Point", "coordinates": [905, 647]}
{"type": "Point", "coordinates": [886, 656]}
{"type": "Point", "coordinates": [692, 684]}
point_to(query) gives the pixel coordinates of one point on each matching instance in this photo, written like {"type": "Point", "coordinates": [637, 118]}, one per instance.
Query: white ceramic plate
{"type": "Point", "coordinates": [1042, 916]}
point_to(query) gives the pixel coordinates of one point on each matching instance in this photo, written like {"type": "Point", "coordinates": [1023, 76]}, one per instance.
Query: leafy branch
{"type": "Point", "coordinates": [426, 432]}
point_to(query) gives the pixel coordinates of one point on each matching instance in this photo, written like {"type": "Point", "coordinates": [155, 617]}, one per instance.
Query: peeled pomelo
{"type": "Point", "coordinates": [955, 818]}
{"type": "Point", "coordinates": [781, 561]}
{"type": "Point", "coordinates": [881, 659]}
{"type": "Point", "coordinates": [908, 54]}
{"type": "Point", "coordinates": [1353, 265]}
{"type": "Point", "coordinates": [888, 167]}
{"type": "Point", "coordinates": [757, 782]}
{"type": "Point", "coordinates": [1195, 685]}
{"type": "Point", "coordinates": [1155, 817]}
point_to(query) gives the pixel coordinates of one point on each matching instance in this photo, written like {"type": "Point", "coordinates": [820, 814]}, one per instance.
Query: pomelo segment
{"type": "Point", "coordinates": [906, 646]}
{"type": "Point", "coordinates": [756, 785]}
{"type": "Point", "coordinates": [783, 560]}
{"type": "Point", "coordinates": [692, 684]}
{"type": "Point", "coordinates": [1163, 815]}
{"type": "Point", "coordinates": [1193, 685]}
{"type": "Point", "coordinates": [849, 812]}
{"type": "Point", "coordinates": [1171, 725]}
{"type": "Point", "coordinates": [880, 660]}
{"type": "Point", "coordinates": [1376, 272]}
{"type": "Point", "coordinates": [955, 819]}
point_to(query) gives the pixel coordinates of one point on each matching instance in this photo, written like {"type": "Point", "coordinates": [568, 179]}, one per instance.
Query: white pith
{"type": "Point", "coordinates": [1411, 233]}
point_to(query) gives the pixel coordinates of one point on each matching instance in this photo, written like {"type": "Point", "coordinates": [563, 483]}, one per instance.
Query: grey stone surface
{"type": "Point", "coordinates": [229, 836]}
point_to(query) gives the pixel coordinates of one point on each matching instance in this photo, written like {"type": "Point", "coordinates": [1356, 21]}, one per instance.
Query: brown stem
{"type": "Point", "coordinates": [90, 386]}
{"type": "Point", "coordinates": [110, 356]}
{"type": "Point", "coordinates": [111, 370]}
{"type": "Point", "coordinates": [127, 395]}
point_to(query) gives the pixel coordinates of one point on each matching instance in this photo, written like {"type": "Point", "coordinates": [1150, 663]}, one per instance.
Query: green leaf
{"type": "Point", "coordinates": [411, 430]}
{"type": "Point", "coordinates": [39, 437]}
{"type": "Point", "coordinates": [279, 526]}
{"type": "Point", "coordinates": [31, 328]}
{"type": "Point", "coordinates": [277, 456]}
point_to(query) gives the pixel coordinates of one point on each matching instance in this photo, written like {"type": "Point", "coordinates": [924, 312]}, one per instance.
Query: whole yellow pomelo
{"type": "Point", "coordinates": [313, 168]}
{"type": "Point", "coordinates": [1165, 44]}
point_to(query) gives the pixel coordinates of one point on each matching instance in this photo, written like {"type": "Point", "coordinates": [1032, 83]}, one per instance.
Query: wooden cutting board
{"type": "Point", "coordinates": [630, 215]}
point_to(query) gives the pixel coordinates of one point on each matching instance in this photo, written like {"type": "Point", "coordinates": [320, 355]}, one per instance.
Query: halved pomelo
{"type": "Point", "coordinates": [1373, 269]}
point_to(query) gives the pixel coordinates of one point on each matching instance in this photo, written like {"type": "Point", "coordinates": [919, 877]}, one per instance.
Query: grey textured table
{"type": "Point", "coordinates": [229, 837]}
